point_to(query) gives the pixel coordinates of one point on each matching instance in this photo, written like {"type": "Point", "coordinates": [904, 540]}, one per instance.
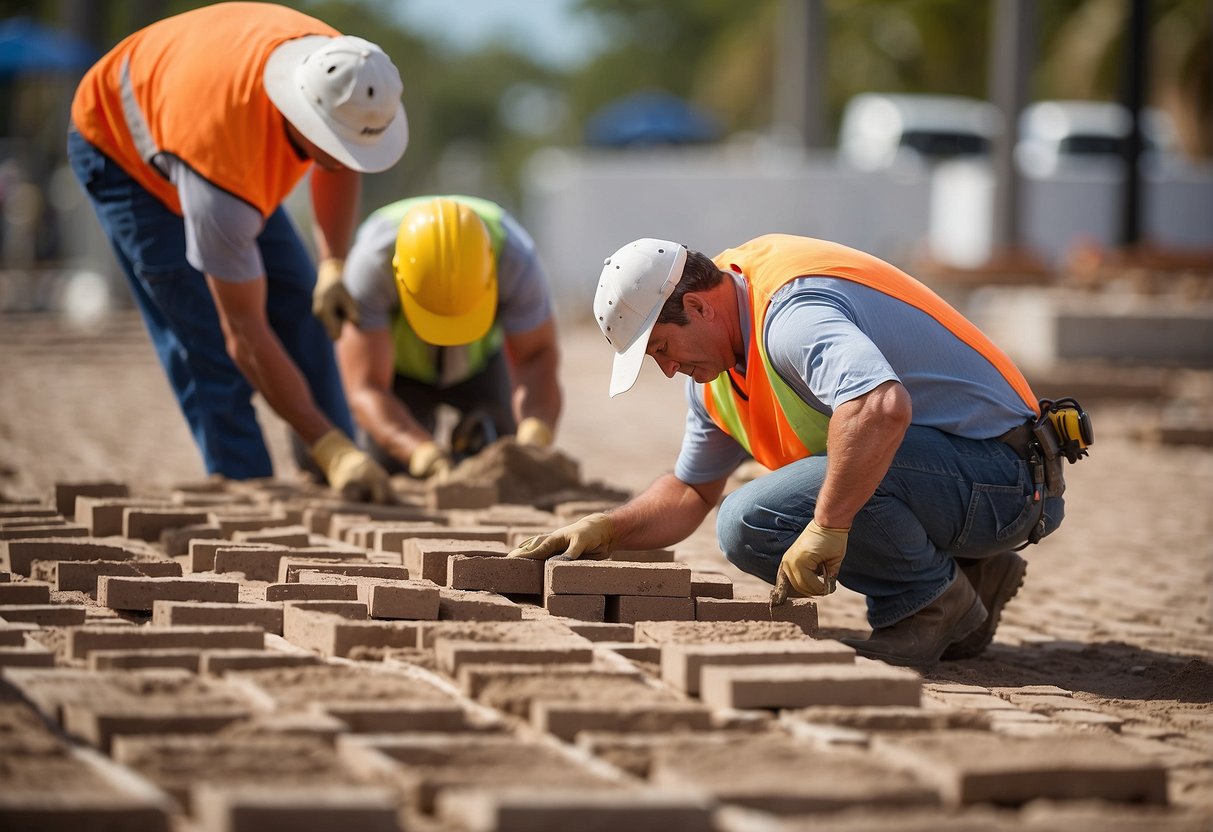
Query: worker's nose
{"type": "Point", "coordinates": [667, 366]}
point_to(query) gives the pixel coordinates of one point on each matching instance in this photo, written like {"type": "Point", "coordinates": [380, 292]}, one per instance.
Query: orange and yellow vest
{"type": "Point", "coordinates": [759, 410]}
{"type": "Point", "coordinates": [191, 86]}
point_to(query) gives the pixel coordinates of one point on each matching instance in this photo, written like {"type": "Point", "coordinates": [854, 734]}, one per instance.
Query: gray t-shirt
{"type": "Point", "coordinates": [221, 230]}
{"type": "Point", "coordinates": [523, 299]}
{"type": "Point", "coordinates": [833, 340]}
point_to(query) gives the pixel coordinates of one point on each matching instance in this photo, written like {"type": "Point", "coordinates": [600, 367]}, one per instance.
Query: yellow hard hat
{"type": "Point", "coordinates": [446, 272]}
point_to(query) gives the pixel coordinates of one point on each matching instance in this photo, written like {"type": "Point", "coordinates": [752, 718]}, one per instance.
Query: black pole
{"type": "Point", "coordinates": [1134, 87]}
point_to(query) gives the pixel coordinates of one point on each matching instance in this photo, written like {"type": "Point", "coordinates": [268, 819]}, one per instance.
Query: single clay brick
{"type": "Point", "coordinates": [642, 556]}
{"type": "Point", "coordinates": [566, 719]}
{"type": "Point", "coordinates": [578, 577]}
{"type": "Point", "coordinates": [517, 630]}
{"type": "Point", "coordinates": [67, 492]}
{"type": "Point", "coordinates": [335, 635]}
{"type": "Point", "coordinates": [218, 662]}
{"type": "Point", "coordinates": [177, 541]}
{"type": "Point", "coordinates": [539, 809]}
{"type": "Point", "coordinates": [520, 576]}
{"type": "Point", "coordinates": [230, 523]}
{"type": "Point", "coordinates": [26, 592]}
{"type": "Point", "coordinates": [599, 631]}
{"type": "Point", "coordinates": [44, 615]}
{"type": "Point", "coordinates": [629, 609]}
{"type": "Point", "coordinates": [42, 531]}
{"type": "Point", "coordinates": [184, 658]}
{"type": "Point", "coordinates": [453, 653]}
{"type": "Point", "coordinates": [397, 717]}
{"type": "Point", "coordinates": [682, 664]}
{"type": "Point", "coordinates": [83, 640]}
{"type": "Point", "coordinates": [353, 610]}
{"type": "Point", "coordinates": [413, 600]}
{"type": "Point", "coordinates": [441, 496]}
{"type": "Point", "coordinates": [288, 535]}
{"type": "Point", "coordinates": [148, 523]}
{"type": "Point", "coordinates": [311, 592]}
{"type": "Point", "coordinates": [18, 555]}
{"type": "Point", "coordinates": [121, 593]}
{"type": "Point", "coordinates": [103, 515]}
{"type": "Point", "coordinates": [202, 552]}
{"type": "Point", "coordinates": [981, 767]}
{"type": "Point", "coordinates": [289, 569]}
{"type": "Point", "coordinates": [581, 607]}
{"type": "Point", "coordinates": [710, 585]}
{"type": "Point", "coordinates": [630, 650]}
{"type": "Point", "coordinates": [249, 807]}
{"type": "Point", "coordinates": [799, 686]}
{"type": "Point", "coordinates": [177, 613]}
{"type": "Point", "coordinates": [709, 632]}
{"type": "Point", "coordinates": [427, 557]}
{"type": "Point", "coordinates": [799, 611]}
{"type": "Point", "coordinates": [466, 605]}
{"type": "Point", "coordinates": [13, 635]}
{"type": "Point", "coordinates": [22, 657]}
{"type": "Point", "coordinates": [81, 576]}
{"type": "Point", "coordinates": [254, 564]}
{"type": "Point", "coordinates": [98, 723]}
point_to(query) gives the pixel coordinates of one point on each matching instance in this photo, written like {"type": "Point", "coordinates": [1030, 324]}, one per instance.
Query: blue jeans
{"type": "Point", "coordinates": [943, 497]}
{"type": "Point", "coordinates": [149, 242]}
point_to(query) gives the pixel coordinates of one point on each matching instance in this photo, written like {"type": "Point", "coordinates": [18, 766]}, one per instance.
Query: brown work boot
{"type": "Point", "coordinates": [996, 580]}
{"type": "Point", "coordinates": [919, 640]}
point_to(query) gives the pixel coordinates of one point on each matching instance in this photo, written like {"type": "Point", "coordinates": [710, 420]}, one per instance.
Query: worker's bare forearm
{"type": "Point", "coordinates": [865, 434]}
{"type": "Point", "coordinates": [667, 512]}
{"type": "Point", "coordinates": [537, 392]}
{"type": "Point", "coordinates": [264, 362]}
{"type": "Point", "coordinates": [335, 196]}
{"type": "Point", "coordinates": [387, 421]}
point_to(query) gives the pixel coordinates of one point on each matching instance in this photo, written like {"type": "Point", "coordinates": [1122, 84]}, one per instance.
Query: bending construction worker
{"type": "Point", "coordinates": [454, 310]}
{"type": "Point", "coordinates": [904, 460]}
{"type": "Point", "coordinates": [187, 138]}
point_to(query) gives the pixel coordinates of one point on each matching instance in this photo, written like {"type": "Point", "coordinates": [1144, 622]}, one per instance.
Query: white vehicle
{"type": "Point", "coordinates": [882, 130]}
{"type": "Point", "coordinates": [1068, 136]}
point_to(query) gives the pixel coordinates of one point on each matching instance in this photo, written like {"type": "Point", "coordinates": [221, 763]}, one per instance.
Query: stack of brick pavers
{"type": "Point", "coordinates": [226, 657]}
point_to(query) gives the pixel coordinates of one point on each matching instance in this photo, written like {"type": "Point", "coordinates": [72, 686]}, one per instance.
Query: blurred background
{"type": "Point", "coordinates": [1008, 152]}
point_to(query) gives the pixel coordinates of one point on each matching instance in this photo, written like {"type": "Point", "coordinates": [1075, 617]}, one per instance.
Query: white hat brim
{"type": "Point", "coordinates": [627, 363]}
{"type": "Point", "coordinates": [280, 86]}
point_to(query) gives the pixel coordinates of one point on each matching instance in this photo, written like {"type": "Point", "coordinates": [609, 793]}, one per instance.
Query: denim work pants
{"type": "Point", "coordinates": [943, 497]}
{"type": "Point", "coordinates": [149, 242]}
{"type": "Point", "coordinates": [489, 392]}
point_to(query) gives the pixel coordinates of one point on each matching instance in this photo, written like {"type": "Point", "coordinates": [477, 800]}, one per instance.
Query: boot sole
{"type": "Point", "coordinates": [968, 623]}
{"type": "Point", "coordinates": [1008, 585]}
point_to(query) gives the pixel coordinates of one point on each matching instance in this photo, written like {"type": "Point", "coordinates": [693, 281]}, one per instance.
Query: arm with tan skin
{"type": "Point", "coordinates": [366, 361]}
{"type": "Point", "coordinates": [865, 434]}
{"type": "Point", "coordinates": [665, 513]}
{"type": "Point", "coordinates": [534, 361]}
{"type": "Point", "coordinates": [335, 195]}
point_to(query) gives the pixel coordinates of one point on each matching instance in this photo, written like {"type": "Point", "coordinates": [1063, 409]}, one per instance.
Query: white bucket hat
{"type": "Point", "coordinates": [635, 283]}
{"type": "Point", "coordinates": [343, 95]}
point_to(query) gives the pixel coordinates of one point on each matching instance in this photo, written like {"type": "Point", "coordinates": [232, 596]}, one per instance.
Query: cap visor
{"type": "Point", "coordinates": [447, 330]}
{"type": "Point", "coordinates": [282, 90]}
{"type": "Point", "coordinates": [627, 363]}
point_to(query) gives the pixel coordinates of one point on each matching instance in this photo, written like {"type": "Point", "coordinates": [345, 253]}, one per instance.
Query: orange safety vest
{"type": "Point", "coordinates": [191, 86]}
{"type": "Point", "coordinates": [759, 410]}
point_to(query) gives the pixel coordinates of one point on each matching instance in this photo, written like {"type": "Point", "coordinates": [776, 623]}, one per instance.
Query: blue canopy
{"type": "Point", "coordinates": [650, 118]}
{"type": "Point", "coordinates": [28, 47]}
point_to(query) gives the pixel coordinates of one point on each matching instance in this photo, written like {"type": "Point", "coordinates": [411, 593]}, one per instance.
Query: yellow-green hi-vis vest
{"type": "Point", "coordinates": [759, 410]}
{"type": "Point", "coordinates": [417, 359]}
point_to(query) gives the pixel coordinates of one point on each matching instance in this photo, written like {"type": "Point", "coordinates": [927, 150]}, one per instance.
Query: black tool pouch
{"type": "Point", "coordinates": [1063, 431]}
{"type": "Point", "coordinates": [1051, 456]}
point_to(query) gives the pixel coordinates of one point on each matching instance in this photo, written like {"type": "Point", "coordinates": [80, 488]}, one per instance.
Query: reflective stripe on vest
{"type": "Point", "coordinates": [190, 86]}
{"type": "Point", "coordinates": [445, 366]}
{"type": "Point", "coordinates": [774, 424]}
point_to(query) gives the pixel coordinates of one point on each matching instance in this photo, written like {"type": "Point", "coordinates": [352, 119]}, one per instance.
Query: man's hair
{"type": "Point", "coordinates": [698, 275]}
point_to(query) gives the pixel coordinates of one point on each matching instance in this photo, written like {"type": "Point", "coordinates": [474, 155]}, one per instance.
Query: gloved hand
{"type": "Point", "coordinates": [331, 301]}
{"type": "Point", "coordinates": [350, 470]}
{"type": "Point", "coordinates": [534, 432]}
{"type": "Point", "coordinates": [429, 460]}
{"type": "Point", "coordinates": [590, 535]}
{"type": "Point", "coordinates": [812, 562]}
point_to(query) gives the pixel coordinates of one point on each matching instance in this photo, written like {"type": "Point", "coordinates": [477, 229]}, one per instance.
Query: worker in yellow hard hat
{"type": "Point", "coordinates": [454, 310]}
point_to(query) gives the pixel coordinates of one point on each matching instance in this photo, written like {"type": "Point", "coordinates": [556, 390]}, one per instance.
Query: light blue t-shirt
{"type": "Point", "coordinates": [833, 340]}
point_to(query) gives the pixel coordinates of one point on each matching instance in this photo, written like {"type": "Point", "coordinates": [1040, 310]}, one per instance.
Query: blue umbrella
{"type": "Point", "coordinates": [650, 118]}
{"type": "Point", "coordinates": [28, 47]}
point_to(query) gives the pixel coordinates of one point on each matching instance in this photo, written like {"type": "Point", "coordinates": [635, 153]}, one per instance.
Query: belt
{"type": "Point", "coordinates": [1019, 439]}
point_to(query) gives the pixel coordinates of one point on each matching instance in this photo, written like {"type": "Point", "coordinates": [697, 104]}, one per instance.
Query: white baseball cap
{"type": "Point", "coordinates": [343, 95]}
{"type": "Point", "coordinates": [635, 283]}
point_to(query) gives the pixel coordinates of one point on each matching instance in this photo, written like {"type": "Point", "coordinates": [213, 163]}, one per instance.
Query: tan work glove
{"type": "Point", "coordinates": [331, 301]}
{"type": "Point", "coordinates": [812, 562]}
{"type": "Point", "coordinates": [534, 432]}
{"type": "Point", "coordinates": [429, 460]}
{"type": "Point", "coordinates": [590, 535]}
{"type": "Point", "coordinates": [351, 471]}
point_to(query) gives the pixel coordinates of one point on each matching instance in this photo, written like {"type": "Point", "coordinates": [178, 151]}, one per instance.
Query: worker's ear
{"type": "Point", "coordinates": [696, 305]}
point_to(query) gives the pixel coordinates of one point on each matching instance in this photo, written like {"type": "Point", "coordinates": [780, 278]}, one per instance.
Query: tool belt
{"type": "Point", "coordinates": [1063, 431]}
